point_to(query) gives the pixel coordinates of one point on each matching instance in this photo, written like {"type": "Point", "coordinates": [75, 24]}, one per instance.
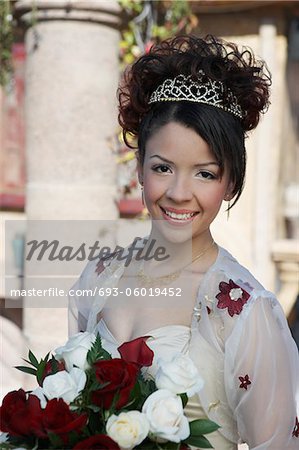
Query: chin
{"type": "Point", "coordinates": [176, 234]}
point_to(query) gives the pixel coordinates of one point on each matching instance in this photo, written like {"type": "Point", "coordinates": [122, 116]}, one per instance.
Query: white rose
{"type": "Point", "coordinates": [74, 352]}
{"type": "Point", "coordinates": [128, 429]}
{"type": "Point", "coordinates": [164, 411]}
{"type": "Point", "coordinates": [39, 393]}
{"type": "Point", "coordinates": [179, 375]}
{"type": "Point", "coordinates": [3, 437]}
{"type": "Point", "coordinates": [65, 385]}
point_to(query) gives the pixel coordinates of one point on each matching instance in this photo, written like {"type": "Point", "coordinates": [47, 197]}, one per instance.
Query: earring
{"type": "Point", "coordinates": [227, 199]}
{"type": "Point", "coordinates": [228, 209]}
{"type": "Point", "coordinates": [142, 194]}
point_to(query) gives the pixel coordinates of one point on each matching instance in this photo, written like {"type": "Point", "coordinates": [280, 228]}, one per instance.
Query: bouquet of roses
{"type": "Point", "coordinates": [88, 400]}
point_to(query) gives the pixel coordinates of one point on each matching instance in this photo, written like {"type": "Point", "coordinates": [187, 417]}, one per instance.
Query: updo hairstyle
{"type": "Point", "coordinates": [239, 71]}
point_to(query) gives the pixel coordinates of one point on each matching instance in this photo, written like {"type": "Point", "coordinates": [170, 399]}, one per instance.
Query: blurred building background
{"type": "Point", "coordinates": [59, 145]}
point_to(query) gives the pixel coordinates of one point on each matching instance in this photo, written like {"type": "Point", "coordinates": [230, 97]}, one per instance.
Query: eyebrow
{"type": "Point", "coordinates": [208, 163]}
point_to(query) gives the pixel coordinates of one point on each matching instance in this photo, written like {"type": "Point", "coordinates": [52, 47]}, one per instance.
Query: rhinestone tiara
{"type": "Point", "coordinates": [203, 90]}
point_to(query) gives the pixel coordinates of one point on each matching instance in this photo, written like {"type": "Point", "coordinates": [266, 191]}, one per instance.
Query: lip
{"type": "Point", "coordinates": [178, 222]}
{"type": "Point", "coordinates": [178, 211]}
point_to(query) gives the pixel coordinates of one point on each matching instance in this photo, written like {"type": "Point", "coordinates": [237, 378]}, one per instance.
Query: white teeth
{"type": "Point", "coordinates": [179, 216]}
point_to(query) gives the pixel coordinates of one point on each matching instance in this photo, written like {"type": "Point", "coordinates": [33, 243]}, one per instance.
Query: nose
{"type": "Point", "coordinates": [179, 190]}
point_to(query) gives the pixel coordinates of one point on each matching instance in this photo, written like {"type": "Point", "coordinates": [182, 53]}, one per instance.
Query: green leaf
{"type": "Point", "coordinates": [147, 387]}
{"type": "Point", "coordinates": [55, 440]}
{"type": "Point", "coordinates": [96, 386]}
{"type": "Point", "coordinates": [97, 352]}
{"type": "Point", "coordinates": [202, 426]}
{"type": "Point", "coordinates": [96, 346]}
{"type": "Point", "coordinates": [18, 441]}
{"type": "Point", "coordinates": [36, 445]}
{"type": "Point", "coordinates": [171, 446]}
{"type": "Point", "coordinates": [75, 437]}
{"type": "Point", "coordinates": [27, 361]}
{"type": "Point", "coordinates": [198, 441]}
{"type": "Point", "coordinates": [112, 408]}
{"type": "Point", "coordinates": [41, 369]}
{"type": "Point", "coordinates": [54, 365]}
{"type": "Point", "coordinates": [147, 445]}
{"type": "Point", "coordinates": [135, 392]}
{"type": "Point", "coordinates": [95, 424]}
{"type": "Point", "coordinates": [135, 400]}
{"type": "Point", "coordinates": [184, 398]}
{"type": "Point", "coordinates": [94, 408]}
{"type": "Point", "coordinates": [26, 369]}
{"type": "Point", "coordinates": [32, 359]}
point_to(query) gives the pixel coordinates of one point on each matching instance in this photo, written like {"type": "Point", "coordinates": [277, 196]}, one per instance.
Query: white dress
{"type": "Point", "coordinates": [240, 342]}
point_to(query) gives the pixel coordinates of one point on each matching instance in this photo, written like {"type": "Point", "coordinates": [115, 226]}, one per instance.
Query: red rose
{"type": "Point", "coordinates": [120, 376]}
{"type": "Point", "coordinates": [59, 419]}
{"type": "Point", "coordinates": [20, 416]}
{"type": "Point", "coordinates": [98, 441]}
{"type": "Point", "coordinates": [52, 366]}
{"type": "Point", "coordinates": [137, 351]}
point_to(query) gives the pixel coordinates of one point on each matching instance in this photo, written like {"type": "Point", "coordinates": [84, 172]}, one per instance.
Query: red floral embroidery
{"type": "Point", "coordinates": [100, 267]}
{"type": "Point", "coordinates": [245, 382]}
{"type": "Point", "coordinates": [232, 297]}
{"type": "Point", "coordinates": [296, 428]}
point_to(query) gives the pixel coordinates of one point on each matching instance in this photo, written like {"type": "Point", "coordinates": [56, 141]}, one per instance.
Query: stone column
{"type": "Point", "coordinates": [71, 80]}
{"type": "Point", "coordinates": [273, 51]}
{"type": "Point", "coordinates": [286, 256]}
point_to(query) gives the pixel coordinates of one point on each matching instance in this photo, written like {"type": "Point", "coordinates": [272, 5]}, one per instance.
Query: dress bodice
{"type": "Point", "coordinates": [238, 339]}
{"type": "Point", "coordinates": [166, 342]}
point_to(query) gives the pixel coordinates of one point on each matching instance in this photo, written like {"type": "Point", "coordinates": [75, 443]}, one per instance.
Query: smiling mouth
{"type": "Point", "coordinates": [182, 217]}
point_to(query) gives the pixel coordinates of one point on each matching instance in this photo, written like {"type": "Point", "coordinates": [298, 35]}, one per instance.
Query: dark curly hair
{"type": "Point", "coordinates": [239, 71]}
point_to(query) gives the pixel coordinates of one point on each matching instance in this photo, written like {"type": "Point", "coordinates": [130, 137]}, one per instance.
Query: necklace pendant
{"type": "Point", "coordinates": [147, 281]}
{"type": "Point", "coordinates": [151, 282]}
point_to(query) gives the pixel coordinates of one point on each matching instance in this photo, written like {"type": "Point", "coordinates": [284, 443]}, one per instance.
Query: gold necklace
{"type": "Point", "coordinates": [147, 281]}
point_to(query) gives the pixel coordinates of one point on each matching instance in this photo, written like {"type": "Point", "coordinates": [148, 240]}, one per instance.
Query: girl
{"type": "Point", "coordinates": [190, 103]}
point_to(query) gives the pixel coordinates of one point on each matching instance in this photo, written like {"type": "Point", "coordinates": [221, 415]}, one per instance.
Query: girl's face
{"type": "Point", "coordinates": [183, 190]}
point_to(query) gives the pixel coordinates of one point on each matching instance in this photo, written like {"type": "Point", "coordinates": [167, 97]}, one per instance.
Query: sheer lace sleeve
{"type": "Point", "coordinates": [88, 296]}
{"type": "Point", "coordinates": [81, 297]}
{"type": "Point", "coordinates": [262, 376]}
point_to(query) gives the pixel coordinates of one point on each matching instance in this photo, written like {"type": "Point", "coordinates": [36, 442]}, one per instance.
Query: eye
{"type": "Point", "coordinates": [161, 168]}
{"type": "Point", "coordinates": [207, 175]}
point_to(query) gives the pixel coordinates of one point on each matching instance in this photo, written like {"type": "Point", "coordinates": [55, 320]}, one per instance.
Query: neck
{"type": "Point", "coordinates": [181, 253]}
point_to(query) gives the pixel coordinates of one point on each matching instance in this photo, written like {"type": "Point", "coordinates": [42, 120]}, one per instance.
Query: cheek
{"type": "Point", "coordinates": [153, 189]}
{"type": "Point", "coordinates": [219, 196]}
{"type": "Point", "coordinates": [211, 193]}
